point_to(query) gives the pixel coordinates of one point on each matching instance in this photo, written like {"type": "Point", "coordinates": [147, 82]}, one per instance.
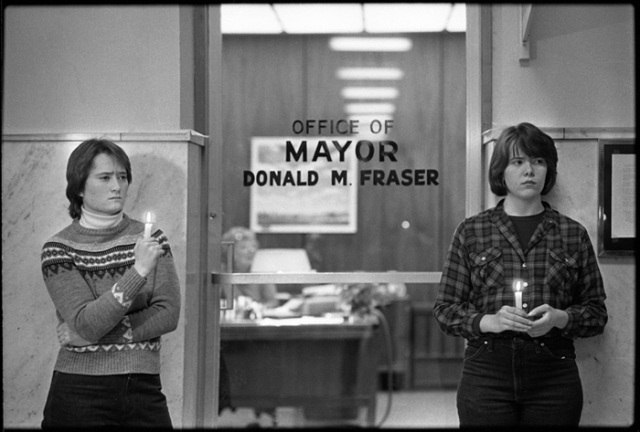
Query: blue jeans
{"type": "Point", "coordinates": [128, 400]}
{"type": "Point", "coordinates": [519, 382]}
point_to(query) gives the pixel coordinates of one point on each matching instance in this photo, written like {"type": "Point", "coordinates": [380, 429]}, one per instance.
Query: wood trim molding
{"type": "Point", "coordinates": [187, 136]}
{"type": "Point", "coordinates": [570, 133]}
{"type": "Point", "coordinates": [326, 278]}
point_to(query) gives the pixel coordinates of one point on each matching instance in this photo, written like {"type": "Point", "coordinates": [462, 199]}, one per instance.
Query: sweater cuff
{"type": "Point", "coordinates": [128, 286]}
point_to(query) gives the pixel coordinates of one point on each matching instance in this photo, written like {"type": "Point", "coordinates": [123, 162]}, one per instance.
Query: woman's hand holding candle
{"type": "Point", "coordinates": [507, 318]}
{"type": "Point", "coordinates": [147, 250]}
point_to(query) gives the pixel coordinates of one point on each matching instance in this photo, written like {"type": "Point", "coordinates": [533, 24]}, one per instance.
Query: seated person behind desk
{"type": "Point", "coordinates": [244, 248]}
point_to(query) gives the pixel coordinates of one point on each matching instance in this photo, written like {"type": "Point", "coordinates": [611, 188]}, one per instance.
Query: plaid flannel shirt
{"type": "Point", "coordinates": [558, 267]}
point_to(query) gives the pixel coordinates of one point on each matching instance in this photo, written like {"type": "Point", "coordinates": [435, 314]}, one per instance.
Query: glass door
{"type": "Point", "coordinates": [353, 156]}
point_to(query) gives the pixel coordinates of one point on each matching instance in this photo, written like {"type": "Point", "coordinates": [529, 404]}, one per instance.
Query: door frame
{"type": "Point", "coordinates": [202, 338]}
{"type": "Point", "coordinates": [479, 101]}
{"type": "Point", "coordinates": [202, 317]}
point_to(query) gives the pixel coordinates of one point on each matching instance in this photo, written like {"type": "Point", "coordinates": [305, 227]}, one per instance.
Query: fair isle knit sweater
{"type": "Point", "coordinates": [96, 290]}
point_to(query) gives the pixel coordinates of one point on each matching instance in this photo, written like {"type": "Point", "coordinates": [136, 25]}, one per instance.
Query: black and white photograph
{"type": "Point", "coordinates": [318, 215]}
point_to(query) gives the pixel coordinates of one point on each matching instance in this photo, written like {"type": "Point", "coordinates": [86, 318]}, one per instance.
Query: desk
{"type": "Point", "coordinates": [316, 364]}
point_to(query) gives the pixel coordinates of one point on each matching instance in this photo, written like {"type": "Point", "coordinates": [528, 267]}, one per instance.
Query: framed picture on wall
{"type": "Point", "coordinates": [302, 185]}
{"type": "Point", "coordinates": [617, 197]}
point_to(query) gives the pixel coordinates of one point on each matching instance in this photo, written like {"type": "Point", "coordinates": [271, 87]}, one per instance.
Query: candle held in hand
{"type": "Point", "coordinates": [518, 294]}
{"type": "Point", "coordinates": [147, 226]}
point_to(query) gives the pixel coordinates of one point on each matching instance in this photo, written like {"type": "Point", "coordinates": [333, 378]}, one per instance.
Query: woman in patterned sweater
{"type": "Point", "coordinates": [115, 294]}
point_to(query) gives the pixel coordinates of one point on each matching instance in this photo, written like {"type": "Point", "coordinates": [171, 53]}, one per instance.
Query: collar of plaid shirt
{"type": "Point", "coordinates": [501, 219]}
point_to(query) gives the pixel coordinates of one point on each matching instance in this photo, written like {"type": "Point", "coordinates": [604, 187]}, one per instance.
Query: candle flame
{"type": "Point", "coordinates": [149, 220]}
{"type": "Point", "coordinates": [518, 286]}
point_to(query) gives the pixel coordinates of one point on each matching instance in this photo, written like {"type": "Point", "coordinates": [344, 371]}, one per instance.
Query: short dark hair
{"type": "Point", "coordinates": [80, 163]}
{"type": "Point", "coordinates": [531, 141]}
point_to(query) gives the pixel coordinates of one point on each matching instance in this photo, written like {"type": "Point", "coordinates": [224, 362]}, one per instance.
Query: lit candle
{"type": "Point", "coordinates": [518, 294]}
{"type": "Point", "coordinates": [148, 225]}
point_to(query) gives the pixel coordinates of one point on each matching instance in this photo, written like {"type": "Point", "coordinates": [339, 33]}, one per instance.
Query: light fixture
{"type": "Point", "coordinates": [370, 108]}
{"type": "Point", "coordinates": [369, 92]}
{"type": "Point", "coordinates": [458, 19]}
{"type": "Point", "coordinates": [370, 73]}
{"type": "Point", "coordinates": [258, 18]}
{"type": "Point", "coordinates": [280, 261]}
{"type": "Point", "coordinates": [320, 17]}
{"type": "Point", "coordinates": [383, 44]}
{"type": "Point", "coordinates": [248, 19]}
{"type": "Point", "coordinates": [406, 17]}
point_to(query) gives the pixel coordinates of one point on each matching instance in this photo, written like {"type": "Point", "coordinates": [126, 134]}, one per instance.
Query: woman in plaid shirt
{"type": "Point", "coordinates": [519, 367]}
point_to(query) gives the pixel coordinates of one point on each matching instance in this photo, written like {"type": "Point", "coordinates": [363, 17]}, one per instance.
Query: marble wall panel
{"type": "Point", "coordinates": [607, 361]}
{"type": "Point", "coordinates": [34, 207]}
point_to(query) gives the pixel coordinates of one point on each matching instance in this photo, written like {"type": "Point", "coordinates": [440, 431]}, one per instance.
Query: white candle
{"type": "Point", "coordinates": [147, 226]}
{"type": "Point", "coordinates": [518, 294]}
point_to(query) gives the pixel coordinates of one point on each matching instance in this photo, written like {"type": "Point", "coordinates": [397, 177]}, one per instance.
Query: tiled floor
{"type": "Point", "coordinates": [409, 409]}
{"type": "Point", "coordinates": [433, 409]}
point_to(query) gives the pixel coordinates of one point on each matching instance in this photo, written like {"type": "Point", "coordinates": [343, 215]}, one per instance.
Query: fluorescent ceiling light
{"type": "Point", "coordinates": [370, 108]}
{"type": "Point", "coordinates": [248, 18]}
{"type": "Point", "coordinates": [458, 19]}
{"type": "Point", "coordinates": [370, 73]}
{"type": "Point", "coordinates": [370, 44]}
{"type": "Point", "coordinates": [320, 17]}
{"type": "Point", "coordinates": [327, 18]}
{"type": "Point", "coordinates": [406, 17]}
{"type": "Point", "coordinates": [369, 92]}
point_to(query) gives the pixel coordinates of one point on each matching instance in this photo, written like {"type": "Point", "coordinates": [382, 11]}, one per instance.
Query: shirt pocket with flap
{"type": "Point", "coordinates": [487, 269]}
{"type": "Point", "coordinates": [562, 273]}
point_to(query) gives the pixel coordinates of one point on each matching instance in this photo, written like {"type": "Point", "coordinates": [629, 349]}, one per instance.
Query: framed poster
{"type": "Point", "coordinates": [302, 185]}
{"type": "Point", "coordinates": [617, 197]}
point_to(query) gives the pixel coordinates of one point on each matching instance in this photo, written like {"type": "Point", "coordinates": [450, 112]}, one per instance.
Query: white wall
{"type": "Point", "coordinates": [94, 68]}
{"type": "Point", "coordinates": [581, 74]}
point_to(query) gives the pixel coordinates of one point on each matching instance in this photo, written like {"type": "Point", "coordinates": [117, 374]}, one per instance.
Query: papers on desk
{"type": "Point", "coordinates": [280, 313]}
{"type": "Point", "coordinates": [321, 290]}
{"type": "Point", "coordinates": [291, 309]}
{"type": "Point", "coordinates": [304, 320]}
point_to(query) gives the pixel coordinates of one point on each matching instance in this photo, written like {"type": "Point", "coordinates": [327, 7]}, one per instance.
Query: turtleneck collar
{"type": "Point", "coordinates": [99, 221]}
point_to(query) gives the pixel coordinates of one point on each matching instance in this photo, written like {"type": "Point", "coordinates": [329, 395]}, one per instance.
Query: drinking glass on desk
{"type": "Point", "coordinates": [247, 308]}
{"type": "Point", "coordinates": [226, 266]}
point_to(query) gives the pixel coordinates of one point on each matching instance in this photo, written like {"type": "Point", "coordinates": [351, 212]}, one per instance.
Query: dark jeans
{"type": "Point", "coordinates": [516, 382]}
{"type": "Point", "coordinates": [129, 400]}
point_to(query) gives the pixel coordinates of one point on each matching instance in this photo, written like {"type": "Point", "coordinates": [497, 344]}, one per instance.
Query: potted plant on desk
{"type": "Point", "coordinates": [359, 301]}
